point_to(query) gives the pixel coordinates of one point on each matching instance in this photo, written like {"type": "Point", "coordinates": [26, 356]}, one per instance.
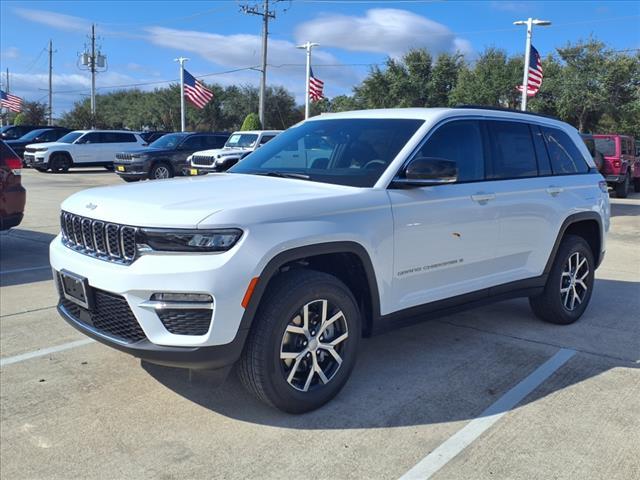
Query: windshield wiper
{"type": "Point", "coordinates": [300, 176]}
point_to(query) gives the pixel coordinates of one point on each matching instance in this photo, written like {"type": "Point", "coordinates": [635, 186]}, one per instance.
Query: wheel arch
{"type": "Point", "coordinates": [324, 257]}
{"type": "Point", "coordinates": [64, 153]}
{"type": "Point", "coordinates": [585, 224]}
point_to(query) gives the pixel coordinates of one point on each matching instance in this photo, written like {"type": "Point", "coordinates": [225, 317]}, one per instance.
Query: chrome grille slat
{"type": "Point", "coordinates": [106, 241]}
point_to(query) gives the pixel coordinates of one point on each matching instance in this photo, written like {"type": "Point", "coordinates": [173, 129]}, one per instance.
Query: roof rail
{"type": "Point", "coordinates": [502, 109]}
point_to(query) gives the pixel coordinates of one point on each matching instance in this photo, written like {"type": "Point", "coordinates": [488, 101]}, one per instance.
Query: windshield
{"type": "Point", "coordinates": [33, 134]}
{"type": "Point", "coordinates": [169, 141]}
{"type": "Point", "coordinates": [241, 140]}
{"type": "Point", "coordinates": [606, 146]}
{"type": "Point", "coordinates": [70, 137]}
{"type": "Point", "coordinates": [352, 151]}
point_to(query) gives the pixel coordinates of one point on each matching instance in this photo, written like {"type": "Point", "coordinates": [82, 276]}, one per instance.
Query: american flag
{"type": "Point", "coordinates": [534, 76]}
{"type": "Point", "coordinates": [11, 102]}
{"type": "Point", "coordinates": [195, 91]}
{"type": "Point", "coordinates": [315, 87]}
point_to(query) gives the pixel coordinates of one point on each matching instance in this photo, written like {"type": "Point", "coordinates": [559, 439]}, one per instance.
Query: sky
{"type": "Point", "coordinates": [141, 39]}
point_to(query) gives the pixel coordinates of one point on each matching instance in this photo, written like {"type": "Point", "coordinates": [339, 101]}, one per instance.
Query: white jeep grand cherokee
{"type": "Point", "coordinates": [284, 263]}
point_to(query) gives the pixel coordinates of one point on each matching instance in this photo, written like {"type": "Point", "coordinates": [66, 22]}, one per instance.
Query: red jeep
{"type": "Point", "coordinates": [621, 165]}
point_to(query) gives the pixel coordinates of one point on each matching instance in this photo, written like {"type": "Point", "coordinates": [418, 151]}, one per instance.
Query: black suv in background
{"type": "Point", "coordinates": [166, 157]}
{"type": "Point", "coordinates": [41, 135]}
{"type": "Point", "coordinates": [13, 132]}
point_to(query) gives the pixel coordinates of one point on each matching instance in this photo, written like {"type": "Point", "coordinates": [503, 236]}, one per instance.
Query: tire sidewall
{"type": "Point", "coordinates": [284, 395]}
{"type": "Point", "coordinates": [152, 171]}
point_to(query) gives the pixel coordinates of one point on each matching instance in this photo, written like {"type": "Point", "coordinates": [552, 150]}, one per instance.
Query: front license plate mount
{"type": "Point", "coordinates": [76, 289]}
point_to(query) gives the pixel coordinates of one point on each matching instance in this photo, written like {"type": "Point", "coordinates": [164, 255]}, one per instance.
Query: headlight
{"type": "Point", "coordinates": [42, 149]}
{"type": "Point", "coordinates": [189, 240]}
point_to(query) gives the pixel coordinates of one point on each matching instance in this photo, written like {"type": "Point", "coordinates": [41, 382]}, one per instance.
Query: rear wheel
{"type": "Point", "coordinates": [303, 344]}
{"type": "Point", "coordinates": [569, 285]}
{"type": "Point", "coordinates": [59, 163]}
{"type": "Point", "coordinates": [160, 170]}
{"type": "Point", "coordinates": [636, 184]}
{"type": "Point", "coordinates": [622, 189]}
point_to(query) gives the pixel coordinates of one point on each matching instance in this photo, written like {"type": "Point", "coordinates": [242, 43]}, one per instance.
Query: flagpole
{"type": "Point", "coordinates": [529, 22]}
{"type": "Point", "coordinates": [307, 46]}
{"type": "Point", "coordinates": [181, 61]}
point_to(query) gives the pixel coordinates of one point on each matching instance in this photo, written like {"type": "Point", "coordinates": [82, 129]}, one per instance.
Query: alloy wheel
{"type": "Point", "coordinates": [573, 286]}
{"type": "Point", "coordinates": [312, 344]}
{"type": "Point", "coordinates": [161, 172]}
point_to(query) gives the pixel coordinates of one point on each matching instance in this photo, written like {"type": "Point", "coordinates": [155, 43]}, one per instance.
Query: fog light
{"type": "Point", "coordinates": [182, 297]}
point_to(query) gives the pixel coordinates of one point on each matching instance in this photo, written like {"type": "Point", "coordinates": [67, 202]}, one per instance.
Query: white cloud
{"type": "Point", "coordinates": [55, 20]}
{"type": "Point", "coordinates": [509, 6]}
{"type": "Point", "coordinates": [382, 30]}
{"type": "Point", "coordinates": [244, 50]}
{"type": "Point", "coordinates": [10, 53]}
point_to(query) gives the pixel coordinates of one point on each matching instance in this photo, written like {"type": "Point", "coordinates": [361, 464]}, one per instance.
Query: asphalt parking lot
{"type": "Point", "coordinates": [492, 392]}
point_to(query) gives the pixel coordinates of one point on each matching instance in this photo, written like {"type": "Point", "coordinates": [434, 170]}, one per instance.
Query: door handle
{"type": "Point", "coordinates": [554, 191]}
{"type": "Point", "coordinates": [483, 198]}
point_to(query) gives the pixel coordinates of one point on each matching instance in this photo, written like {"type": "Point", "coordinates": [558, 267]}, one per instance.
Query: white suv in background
{"type": "Point", "coordinates": [283, 263]}
{"type": "Point", "coordinates": [237, 146]}
{"type": "Point", "coordinates": [81, 148]}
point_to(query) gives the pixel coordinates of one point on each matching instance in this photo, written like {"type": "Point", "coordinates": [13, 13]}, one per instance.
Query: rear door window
{"type": "Point", "coordinates": [459, 141]}
{"type": "Point", "coordinates": [566, 158]}
{"type": "Point", "coordinates": [513, 154]}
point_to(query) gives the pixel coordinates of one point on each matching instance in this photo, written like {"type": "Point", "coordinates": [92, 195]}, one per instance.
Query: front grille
{"type": "Point", "coordinates": [111, 316]}
{"type": "Point", "coordinates": [186, 322]}
{"type": "Point", "coordinates": [127, 157]}
{"type": "Point", "coordinates": [107, 241]}
{"type": "Point", "coordinates": [202, 160]}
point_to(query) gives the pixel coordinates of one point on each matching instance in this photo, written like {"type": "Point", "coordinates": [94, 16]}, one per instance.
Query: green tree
{"type": "Point", "coordinates": [33, 113]}
{"type": "Point", "coordinates": [252, 122]}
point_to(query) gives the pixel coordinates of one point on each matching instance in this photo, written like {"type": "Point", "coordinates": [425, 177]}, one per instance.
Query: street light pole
{"type": "Point", "coordinates": [307, 46]}
{"type": "Point", "coordinates": [181, 61]}
{"type": "Point", "coordinates": [529, 22]}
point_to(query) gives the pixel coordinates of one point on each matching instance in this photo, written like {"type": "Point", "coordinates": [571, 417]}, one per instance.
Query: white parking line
{"type": "Point", "coordinates": [472, 430]}
{"type": "Point", "coordinates": [18, 270]}
{"type": "Point", "coordinates": [45, 351]}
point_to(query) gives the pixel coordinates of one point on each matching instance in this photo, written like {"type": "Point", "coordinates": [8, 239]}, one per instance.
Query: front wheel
{"type": "Point", "coordinates": [160, 171]}
{"type": "Point", "coordinates": [59, 163]}
{"type": "Point", "coordinates": [303, 343]}
{"type": "Point", "coordinates": [569, 285]}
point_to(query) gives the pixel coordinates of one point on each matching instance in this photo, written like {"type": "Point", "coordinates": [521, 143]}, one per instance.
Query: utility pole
{"type": "Point", "coordinates": [93, 60]}
{"type": "Point", "coordinates": [307, 46]}
{"type": "Point", "coordinates": [50, 83]}
{"type": "Point", "coordinates": [529, 22]}
{"type": "Point", "coordinates": [92, 66]}
{"type": "Point", "coordinates": [181, 61]}
{"type": "Point", "coordinates": [266, 14]}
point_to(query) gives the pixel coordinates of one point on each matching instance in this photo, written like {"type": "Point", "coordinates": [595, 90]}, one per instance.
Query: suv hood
{"type": "Point", "coordinates": [222, 151]}
{"type": "Point", "coordinates": [187, 202]}
{"type": "Point", "coordinates": [48, 145]}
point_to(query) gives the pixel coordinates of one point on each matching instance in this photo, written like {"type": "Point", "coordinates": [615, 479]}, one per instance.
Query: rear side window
{"type": "Point", "coordinates": [214, 141]}
{"type": "Point", "coordinates": [193, 143]}
{"type": "Point", "coordinates": [626, 146]}
{"type": "Point", "coordinates": [565, 157]}
{"type": "Point", "coordinates": [461, 142]}
{"type": "Point", "coordinates": [512, 151]}
{"type": "Point", "coordinates": [118, 137]}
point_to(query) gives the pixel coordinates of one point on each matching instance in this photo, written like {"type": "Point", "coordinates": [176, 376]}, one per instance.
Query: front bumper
{"type": "Point", "coordinates": [34, 160]}
{"type": "Point", "coordinates": [133, 170]}
{"type": "Point", "coordinates": [208, 357]}
{"type": "Point", "coordinates": [213, 274]}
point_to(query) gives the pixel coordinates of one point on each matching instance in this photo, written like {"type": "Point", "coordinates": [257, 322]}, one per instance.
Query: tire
{"type": "Point", "coordinates": [636, 185]}
{"type": "Point", "coordinates": [41, 169]}
{"type": "Point", "coordinates": [160, 171]}
{"type": "Point", "coordinates": [622, 189]}
{"type": "Point", "coordinates": [262, 369]}
{"type": "Point", "coordinates": [557, 305]}
{"type": "Point", "coordinates": [130, 179]}
{"type": "Point", "coordinates": [59, 163]}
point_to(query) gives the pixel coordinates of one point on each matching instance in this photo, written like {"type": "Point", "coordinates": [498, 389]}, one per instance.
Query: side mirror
{"type": "Point", "coordinates": [428, 171]}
